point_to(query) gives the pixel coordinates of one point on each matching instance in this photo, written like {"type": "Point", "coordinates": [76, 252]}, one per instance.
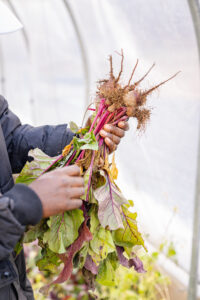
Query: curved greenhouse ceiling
{"type": "Point", "coordinates": [42, 76]}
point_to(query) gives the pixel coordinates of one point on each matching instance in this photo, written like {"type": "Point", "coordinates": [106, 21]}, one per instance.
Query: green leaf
{"type": "Point", "coordinates": [102, 243]}
{"type": "Point", "coordinates": [49, 261]}
{"type": "Point", "coordinates": [155, 255]}
{"type": "Point", "coordinates": [34, 169]}
{"type": "Point", "coordinates": [94, 221]}
{"type": "Point", "coordinates": [87, 142]}
{"type": "Point", "coordinates": [73, 127]}
{"type": "Point", "coordinates": [162, 246]}
{"type": "Point", "coordinates": [106, 274]}
{"type": "Point", "coordinates": [19, 246]}
{"type": "Point", "coordinates": [110, 200]}
{"type": "Point", "coordinates": [171, 252]}
{"type": "Point", "coordinates": [128, 251]}
{"type": "Point", "coordinates": [35, 232]}
{"type": "Point", "coordinates": [63, 230]}
{"type": "Point", "coordinates": [129, 236]}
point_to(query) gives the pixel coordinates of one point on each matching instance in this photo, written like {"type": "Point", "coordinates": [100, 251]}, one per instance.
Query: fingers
{"type": "Point", "coordinates": [123, 125]}
{"type": "Point", "coordinates": [76, 192]}
{"type": "Point", "coordinates": [75, 203]}
{"type": "Point", "coordinates": [107, 135]}
{"type": "Point", "coordinates": [72, 170]}
{"type": "Point", "coordinates": [111, 145]}
{"type": "Point", "coordinates": [73, 181]}
{"type": "Point", "coordinates": [113, 134]}
{"type": "Point", "coordinates": [114, 130]}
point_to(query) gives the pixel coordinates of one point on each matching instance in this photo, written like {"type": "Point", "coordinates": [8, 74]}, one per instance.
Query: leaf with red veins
{"type": "Point", "coordinates": [129, 236]}
{"type": "Point", "coordinates": [63, 230]}
{"type": "Point", "coordinates": [132, 262]}
{"type": "Point", "coordinates": [84, 236]}
{"type": "Point", "coordinates": [110, 200]}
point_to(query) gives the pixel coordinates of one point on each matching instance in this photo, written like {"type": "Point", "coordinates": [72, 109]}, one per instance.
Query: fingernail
{"type": "Point", "coordinates": [107, 127]}
{"type": "Point", "coordinates": [102, 132]}
{"type": "Point", "coordinates": [121, 124]}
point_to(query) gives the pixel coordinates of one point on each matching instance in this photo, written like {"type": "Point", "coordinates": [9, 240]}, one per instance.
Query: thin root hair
{"type": "Point", "coordinates": [145, 75]}
{"type": "Point", "coordinates": [121, 69]}
{"type": "Point", "coordinates": [158, 85]}
{"type": "Point", "coordinates": [111, 67]}
{"type": "Point", "coordinates": [132, 74]}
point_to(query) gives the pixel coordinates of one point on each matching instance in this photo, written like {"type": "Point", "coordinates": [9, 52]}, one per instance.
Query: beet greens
{"type": "Point", "coordinates": [102, 234]}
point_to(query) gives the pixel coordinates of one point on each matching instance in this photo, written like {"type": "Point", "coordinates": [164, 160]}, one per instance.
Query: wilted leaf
{"type": "Point", "coordinates": [90, 265]}
{"type": "Point", "coordinates": [128, 263]}
{"type": "Point", "coordinates": [110, 200]}
{"type": "Point", "coordinates": [114, 170]}
{"type": "Point", "coordinates": [73, 127]}
{"type": "Point", "coordinates": [35, 168]}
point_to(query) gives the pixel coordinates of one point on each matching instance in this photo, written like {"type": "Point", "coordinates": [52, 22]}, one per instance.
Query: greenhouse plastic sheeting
{"type": "Point", "coordinates": [42, 77]}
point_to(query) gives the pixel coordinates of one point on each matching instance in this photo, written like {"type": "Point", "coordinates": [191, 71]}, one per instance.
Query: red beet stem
{"type": "Point", "coordinates": [101, 141]}
{"type": "Point", "coordinates": [101, 122]}
{"type": "Point", "coordinates": [110, 117]}
{"type": "Point", "coordinates": [55, 161]}
{"type": "Point", "coordinates": [124, 118]}
{"type": "Point", "coordinates": [100, 110]}
{"type": "Point", "coordinates": [120, 114]}
{"type": "Point", "coordinates": [70, 159]}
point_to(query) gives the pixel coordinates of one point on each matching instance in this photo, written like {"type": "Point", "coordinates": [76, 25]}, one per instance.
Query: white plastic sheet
{"type": "Point", "coordinates": [44, 83]}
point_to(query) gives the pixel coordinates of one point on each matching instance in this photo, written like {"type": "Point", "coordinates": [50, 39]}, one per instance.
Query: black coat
{"type": "Point", "coordinates": [16, 201]}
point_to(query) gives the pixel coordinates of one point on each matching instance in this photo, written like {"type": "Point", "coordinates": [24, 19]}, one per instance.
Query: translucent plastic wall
{"type": "Point", "coordinates": [44, 83]}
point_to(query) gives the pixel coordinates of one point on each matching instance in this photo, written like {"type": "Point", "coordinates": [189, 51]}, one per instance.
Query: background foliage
{"type": "Point", "coordinates": [129, 285]}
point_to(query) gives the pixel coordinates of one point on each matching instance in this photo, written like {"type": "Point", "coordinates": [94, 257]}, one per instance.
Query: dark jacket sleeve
{"type": "Point", "coordinates": [19, 207]}
{"type": "Point", "coordinates": [19, 140]}
{"type": "Point", "coordinates": [10, 228]}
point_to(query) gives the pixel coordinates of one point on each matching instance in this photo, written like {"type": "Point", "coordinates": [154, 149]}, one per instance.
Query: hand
{"type": "Point", "coordinates": [59, 190]}
{"type": "Point", "coordinates": [113, 134]}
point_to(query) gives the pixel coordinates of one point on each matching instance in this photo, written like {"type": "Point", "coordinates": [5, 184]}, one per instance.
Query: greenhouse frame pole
{"type": "Point", "coordinates": [193, 281]}
{"type": "Point", "coordinates": [28, 48]}
{"type": "Point", "coordinates": [12, 7]}
{"type": "Point", "coordinates": [82, 49]}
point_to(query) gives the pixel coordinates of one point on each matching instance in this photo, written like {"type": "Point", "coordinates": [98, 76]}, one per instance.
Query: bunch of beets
{"type": "Point", "coordinates": [103, 233]}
